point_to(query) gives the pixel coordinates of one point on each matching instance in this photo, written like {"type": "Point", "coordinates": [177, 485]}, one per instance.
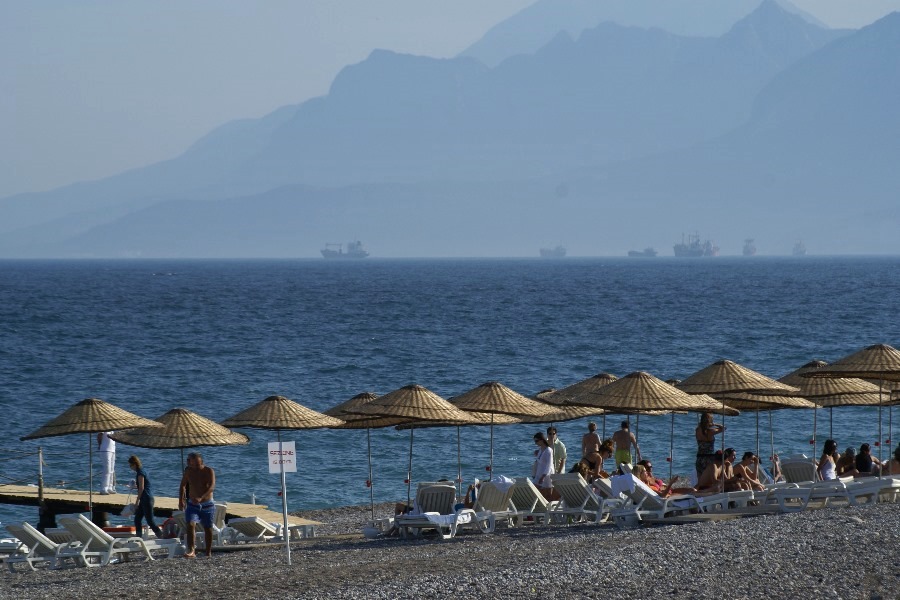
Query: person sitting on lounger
{"type": "Point", "coordinates": [893, 466]}
{"type": "Point", "coordinates": [655, 483]}
{"type": "Point", "coordinates": [866, 464]}
{"type": "Point", "coordinates": [745, 471]}
{"type": "Point", "coordinates": [711, 481]}
{"type": "Point", "coordinates": [846, 464]}
{"type": "Point", "coordinates": [827, 468]}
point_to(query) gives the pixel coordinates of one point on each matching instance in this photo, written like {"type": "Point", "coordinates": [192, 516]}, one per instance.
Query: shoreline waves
{"type": "Point", "coordinates": [847, 553]}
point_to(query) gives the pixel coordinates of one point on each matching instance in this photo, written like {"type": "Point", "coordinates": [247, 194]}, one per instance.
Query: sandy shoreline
{"type": "Point", "coordinates": [805, 555]}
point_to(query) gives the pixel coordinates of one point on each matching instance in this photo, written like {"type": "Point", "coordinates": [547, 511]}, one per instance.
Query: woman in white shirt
{"type": "Point", "coordinates": [543, 464]}
{"type": "Point", "coordinates": [827, 464]}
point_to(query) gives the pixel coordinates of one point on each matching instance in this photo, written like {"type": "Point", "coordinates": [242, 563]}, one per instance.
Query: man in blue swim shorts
{"type": "Point", "coordinates": [195, 498]}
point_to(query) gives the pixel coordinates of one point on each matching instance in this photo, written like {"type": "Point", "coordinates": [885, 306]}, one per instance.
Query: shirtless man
{"type": "Point", "coordinates": [590, 442]}
{"type": "Point", "coordinates": [624, 440]}
{"type": "Point", "coordinates": [195, 498]}
{"type": "Point", "coordinates": [710, 481]}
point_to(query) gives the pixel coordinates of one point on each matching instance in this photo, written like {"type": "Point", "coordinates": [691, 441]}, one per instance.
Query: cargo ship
{"type": "Point", "coordinates": [692, 247]}
{"type": "Point", "coordinates": [354, 250]}
{"type": "Point", "coordinates": [557, 252]}
{"type": "Point", "coordinates": [645, 253]}
{"type": "Point", "coordinates": [749, 247]}
{"type": "Point", "coordinates": [799, 249]}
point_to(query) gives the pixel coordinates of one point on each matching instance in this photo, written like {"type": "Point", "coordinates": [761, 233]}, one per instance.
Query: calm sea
{"type": "Point", "coordinates": [218, 336]}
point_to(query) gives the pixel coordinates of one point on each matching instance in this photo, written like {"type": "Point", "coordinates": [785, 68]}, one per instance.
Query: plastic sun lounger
{"type": "Point", "coordinates": [221, 534]}
{"type": "Point", "coordinates": [499, 503]}
{"type": "Point", "coordinates": [647, 503]}
{"type": "Point", "coordinates": [799, 469]}
{"type": "Point", "coordinates": [252, 529]}
{"type": "Point", "coordinates": [98, 544]}
{"type": "Point", "coordinates": [579, 499]}
{"type": "Point", "coordinates": [814, 495]}
{"type": "Point", "coordinates": [35, 549]}
{"type": "Point", "coordinates": [529, 501]}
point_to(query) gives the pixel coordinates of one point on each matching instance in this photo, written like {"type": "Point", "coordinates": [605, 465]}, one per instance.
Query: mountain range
{"type": "Point", "coordinates": [620, 137]}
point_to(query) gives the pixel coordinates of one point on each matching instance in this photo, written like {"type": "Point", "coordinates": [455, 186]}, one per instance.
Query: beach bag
{"type": "Point", "coordinates": [130, 507]}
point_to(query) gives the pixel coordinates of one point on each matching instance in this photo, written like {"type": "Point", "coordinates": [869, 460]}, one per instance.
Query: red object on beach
{"type": "Point", "coordinates": [406, 481]}
{"type": "Point", "coordinates": [812, 441]}
{"type": "Point", "coordinates": [488, 468]}
{"type": "Point", "coordinates": [119, 530]}
{"type": "Point", "coordinates": [877, 443]}
{"type": "Point", "coordinates": [368, 483]}
{"type": "Point", "coordinates": [668, 459]}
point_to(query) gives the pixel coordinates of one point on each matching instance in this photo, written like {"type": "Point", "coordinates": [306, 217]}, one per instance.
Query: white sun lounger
{"type": "Point", "coordinates": [498, 502]}
{"type": "Point", "coordinates": [35, 549]}
{"type": "Point", "coordinates": [529, 501]}
{"type": "Point", "coordinates": [96, 544]}
{"type": "Point", "coordinates": [252, 529]}
{"type": "Point", "coordinates": [647, 503]}
{"type": "Point", "coordinates": [579, 499]}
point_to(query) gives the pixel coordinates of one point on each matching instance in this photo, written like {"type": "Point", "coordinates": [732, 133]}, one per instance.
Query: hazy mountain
{"type": "Point", "coordinates": [479, 161]}
{"type": "Point", "coordinates": [533, 27]}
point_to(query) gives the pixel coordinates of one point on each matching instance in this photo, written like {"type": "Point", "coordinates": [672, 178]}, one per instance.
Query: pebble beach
{"type": "Point", "coordinates": [846, 553]}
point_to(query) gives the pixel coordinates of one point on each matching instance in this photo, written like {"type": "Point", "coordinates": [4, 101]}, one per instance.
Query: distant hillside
{"type": "Point", "coordinates": [533, 27]}
{"type": "Point", "coordinates": [621, 139]}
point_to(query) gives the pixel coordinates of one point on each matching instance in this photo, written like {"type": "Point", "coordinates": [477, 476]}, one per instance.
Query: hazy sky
{"type": "Point", "coordinates": [89, 88]}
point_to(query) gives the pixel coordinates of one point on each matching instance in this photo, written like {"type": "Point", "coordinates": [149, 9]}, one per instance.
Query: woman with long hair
{"type": "Point", "coordinates": [706, 433]}
{"type": "Point", "coordinates": [144, 503]}
{"type": "Point", "coordinates": [827, 468]}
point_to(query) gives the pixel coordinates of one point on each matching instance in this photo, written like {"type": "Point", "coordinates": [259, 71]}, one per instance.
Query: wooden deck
{"type": "Point", "coordinates": [69, 501]}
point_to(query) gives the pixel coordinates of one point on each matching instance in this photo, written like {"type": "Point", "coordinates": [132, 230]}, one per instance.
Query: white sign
{"type": "Point", "coordinates": [286, 458]}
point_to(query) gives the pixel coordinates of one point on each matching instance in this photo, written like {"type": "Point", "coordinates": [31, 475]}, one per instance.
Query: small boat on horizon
{"type": "Point", "coordinates": [749, 247]}
{"type": "Point", "coordinates": [645, 253]}
{"type": "Point", "coordinates": [799, 249]}
{"type": "Point", "coordinates": [354, 250]}
{"type": "Point", "coordinates": [557, 252]}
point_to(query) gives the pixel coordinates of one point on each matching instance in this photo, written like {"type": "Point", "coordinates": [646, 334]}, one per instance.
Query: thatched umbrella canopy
{"type": "Point", "coordinates": [277, 413]}
{"type": "Point", "coordinates": [880, 362]}
{"type": "Point", "coordinates": [90, 416]}
{"type": "Point", "coordinates": [415, 403]}
{"type": "Point", "coordinates": [495, 398]}
{"type": "Point", "coordinates": [725, 376]}
{"type": "Point", "coordinates": [574, 391]}
{"type": "Point", "coordinates": [353, 420]}
{"type": "Point", "coordinates": [181, 428]}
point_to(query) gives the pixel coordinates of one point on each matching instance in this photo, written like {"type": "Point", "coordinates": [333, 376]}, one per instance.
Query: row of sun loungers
{"type": "Point", "coordinates": [623, 500]}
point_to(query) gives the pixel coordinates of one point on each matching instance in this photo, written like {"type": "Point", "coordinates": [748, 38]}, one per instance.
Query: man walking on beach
{"type": "Point", "coordinates": [590, 442]}
{"type": "Point", "coordinates": [624, 440]}
{"type": "Point", "coordinates": [559, 450]}
{"type": "Point", "coordinates": [106, 446]}
{"type": "Point", "coordinates": [195, 498]}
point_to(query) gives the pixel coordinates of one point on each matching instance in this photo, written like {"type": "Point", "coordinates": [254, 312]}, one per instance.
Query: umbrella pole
{"type": "Point", "coordinates": [637, 427]}
{"type": "Point", "coordinates": [671, 448]}
{"type": "Point", "coordinates": [91, 475]}
{"type": "Point", "coordinates": [757, 441]}
{"type": "Point", "coordinates": [603, 426]}
{"type": "Point", "coordinates": [371, 488]}
{"type": "Point", "coordinates": [458, 463]}
{"type": "Point", "coordinates": [491, 468]}
{"type": "Point", "coordinates": [284, 532]}
{"type": "Point", "coordinates": [880, 435]}
{"type": "Point", "coordinates": [772, 443]}
{"type": "Point", "coordinates": [409, 469]}
{"type": "Point", "coordinates": [831, 422]}
{"type": "Point", "coordinates": [814, 440]}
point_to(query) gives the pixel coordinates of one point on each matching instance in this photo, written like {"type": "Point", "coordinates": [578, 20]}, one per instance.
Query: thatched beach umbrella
{"type": "Point", "coordinates": [881, 362]}
{"type": "Point", "coordinates": [415, 403]}
{"type": "Point", "coordinates": [90, 416]}
{"type": "Point", "coordinates": [181, 428]}
{"type": "Point", "coordinates": [484, 419]}
{"type": "Point", "coordinates": [829, 392]}
{"type": "Point", "coordinates": [278, 412]}
{"type": "Point", "coordinates": [585, 386]}
{"type": "Point", "coordinates": [728, 377]}
{"type": "Point", "coordinates": [641, 391]}
{"type": "Point", "coordinates": [353, 420]}
{"type": "Point", "coordinates": [495, 398]}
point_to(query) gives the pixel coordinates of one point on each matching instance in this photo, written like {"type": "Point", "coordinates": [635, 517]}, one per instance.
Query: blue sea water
{"type": "Point", "coordinates": [216, 337]}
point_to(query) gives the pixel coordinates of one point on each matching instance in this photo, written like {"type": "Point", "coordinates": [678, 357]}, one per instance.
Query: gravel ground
{"type": "Point", "coordinates": [845, 553]}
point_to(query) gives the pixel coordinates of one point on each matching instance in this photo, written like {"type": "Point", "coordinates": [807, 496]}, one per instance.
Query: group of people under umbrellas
{"type": "Point", "coordinates": [723, 386]}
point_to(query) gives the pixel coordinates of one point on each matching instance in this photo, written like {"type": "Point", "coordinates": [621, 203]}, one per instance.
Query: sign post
{"type": "Point", "coordinates": [283, 459]}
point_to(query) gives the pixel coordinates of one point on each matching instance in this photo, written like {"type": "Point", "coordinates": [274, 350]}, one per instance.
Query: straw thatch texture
{"type": "Point", "coordinates": [875, 362]}
{"type": "Point", "coordinates": [416, 403]}
{"type": "Point", "coordinates": [181, 429]}
{"type": "Point", "coordinates": [483, 419]}
{"type": "Point", "coordinates": [494, 397]}
{"type": "Point", "coordinates": [354, 420]}
{"type": "Point", "coordinates": [751, 401]}
{"type": "Point", "coordinates": [278, 412]}
{"type": "Point", "coordinates": [641, 391]}
{"type": "Point", "coordinates": [574, 391]}
{"type": "Point", "coordinates": [725, 376]}
{"type": "Point", "coordinates": [91, 416]}
{"type": "Point", "coordinates": [562, 414]}
{"type": "Point", "coordinates": [832, 391]}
